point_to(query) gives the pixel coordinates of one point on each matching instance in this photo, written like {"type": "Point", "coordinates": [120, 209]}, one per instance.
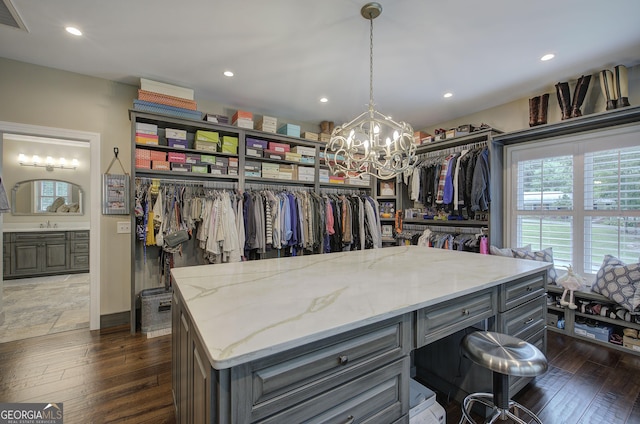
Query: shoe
{"type": "Point", "coordinates": [534, 104]}
{"type": "Point", "coordinates": [543, 107]}
{"type": "Point", "coordinates": [579, 94]}
{"type": "Point", "coordinates": [564, 99]}
{"type": "Point", "coordinates": [621, 86]}
{"type": "Point", "coordinates": [608, 88]}
{"type": "Point", "coordinates": [616, 339]}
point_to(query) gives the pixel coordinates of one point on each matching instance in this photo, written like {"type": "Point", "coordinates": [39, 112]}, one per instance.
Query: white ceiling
{"type": "Point", "coordinates": [286, 54]}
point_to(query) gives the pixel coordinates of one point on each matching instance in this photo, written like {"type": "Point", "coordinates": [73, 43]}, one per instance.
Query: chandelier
{"type": "Point", "coordinates": [372, 143]}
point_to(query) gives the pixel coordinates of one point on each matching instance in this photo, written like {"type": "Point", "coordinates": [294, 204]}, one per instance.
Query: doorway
{"type": "Point", "coordinates": [85, 285]}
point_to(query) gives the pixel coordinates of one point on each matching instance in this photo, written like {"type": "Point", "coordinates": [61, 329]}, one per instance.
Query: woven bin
{"type": "Point", "coordinates": [156, 309]}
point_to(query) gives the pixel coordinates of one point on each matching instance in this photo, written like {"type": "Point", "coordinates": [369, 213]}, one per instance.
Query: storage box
{"type": "Point", "coordinates": [243, 123]}
{"type": "Point", "coordinates": [218, 170]}
{"type": "Point", "coordinates": [602, 333]}
{"type": "Point", "coordinates": [175, 134]}
{"type": "Point", "coordinates": [293, 157]}
{"type": "Point", "coordinates": [226, 148]}
{"type": "Point", "coordinates": [254, 152]}
{"type": "Point", "coordinates": [153, 155]}
{"type": "Point", "coordinates": [200, 169]}
{"type": "Point", "coordinates": [143, 163]}
{"type": "Point", "coordinates": [208, 159]}
{"type": "Point", "coordinates": [221, 161]}
{"type": "Point", "coordinates": [304, 151]}
{"type": "Point", "coordinates": [233, 162]}
{"type": "Point", "coordinates": [308, 160]}
{"type": "Point", "coordinates": [181, 167]}
{"type": "Point", "coordinates": [143, 128]}
{"type": "Point", "coordinates": [177, 157]}
{"type": "Point", "coordinates": [146, 139]}
{"type": "Point", "coordinates": [221, 119]}
{"type": "Point", "coordinates": [255, 174]}
{"type": "Point", "coordinates": [229, 140]}
{"type": "Point", "coordinates": [192, 158]}
{"type": "Point", "coordinates": [268, 121]}
{"type": "Point", "coordinates": [252, 166]}
{"type": "Point", "coordinates": [156, 309]}
{"type": "Point", "coordinates": [233, 171]}
{"type": "Point", "coordinates": [210, 136]}
{"type": "Point", "coordinates": [451, 133]}
{"type": "Point", "coordinates": [310, 136]}
{"type": "Point", "coordinates": [160, 165]}
{"type": "Point", "coordinates": [325, 138]}
{"type": "Point", "coordinates": [242, 114]}
{"type": "Point", "coordinates": [143, 154]}
{"type": "Point", "coordinates": [279, 147]}
{"type": "Point", "coordinates": [270, 167]}
{"type": "Point", "coordinates": [290, 129]}
{"type": "Point", "coordinates": [164, 88]}
{"type": "Point", "coordinates": [272, 154]}
{"type": "Point", "coordinates": [305, 170]}
{"type": "Point", "coordinates": [631, 343]}
{"type": "Point", "coordinates": [177, 143]}
{"type": "Point", "coordinates": [257, 143]}
{"type": "Point", "coordinates": [206, 146]}
{"type": "Point", "coordinates": [267, 128]}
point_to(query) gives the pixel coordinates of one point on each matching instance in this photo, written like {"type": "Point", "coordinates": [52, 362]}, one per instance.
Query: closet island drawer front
{"type": "Point", "coordinates": [379, 397]}
{"type": "Point", "coordinates": [281, 381]}
{"type": "Point", "coordinates": [521, 291]}
{"type": "Point", "coordinates": [434, 323]}
{"type": "Point", "coordinates": [524, 320]}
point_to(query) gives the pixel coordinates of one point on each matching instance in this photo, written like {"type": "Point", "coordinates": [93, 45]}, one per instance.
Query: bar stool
{"type": "Point", "coordinates": [504, 355]}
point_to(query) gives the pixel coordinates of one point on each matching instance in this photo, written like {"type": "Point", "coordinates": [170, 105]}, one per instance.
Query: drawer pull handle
{"type": "Point", "coordinates": [465, 312]}
{"type": "Point", "coordinates": [529, 321]}
{"type": "Point", "coordinates": [343, 359]}
{"type": "Point", "coordinates": [529, 288]}
{"type": "Point", "coordinates": [350, 419]}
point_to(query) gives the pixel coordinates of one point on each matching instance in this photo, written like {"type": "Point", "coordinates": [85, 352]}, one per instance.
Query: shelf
{"type": "Point", "coordinates": [276, 181]}
{"type": "Point", "coordinates": [557, 330]}
{"type": "Point", "coordinates": [183, 175]}
{"type": "Point", "coordinates": [386, 198]}
{"type": "Point", "coordinates": [164, 148]}
{"type": "Point", "coordinates": [348, 186]}
{"type": "Point", "coordinates": [282, 161]}
{"type": "Point", "coordinates": [612, 321]}
{"type": "Point", "coordinates": [447, 223]}
{"type": "Point", "coordinates": [556, 308]}
{"type": "Point", "coordinates": [474, 137]}
{"type": "Point", "coordinates": [582, 294]}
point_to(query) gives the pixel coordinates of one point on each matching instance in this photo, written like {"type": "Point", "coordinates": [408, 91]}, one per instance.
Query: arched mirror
{"type": "Point", "coordinates": [46, 197]}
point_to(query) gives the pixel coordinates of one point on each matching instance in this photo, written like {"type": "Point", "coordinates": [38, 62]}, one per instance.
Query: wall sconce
{"type": "Point", "coordinates": [49, 163]}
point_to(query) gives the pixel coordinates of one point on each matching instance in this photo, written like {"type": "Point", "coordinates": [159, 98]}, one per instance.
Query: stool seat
{"type": "Point", "coordinates": [504, 354]}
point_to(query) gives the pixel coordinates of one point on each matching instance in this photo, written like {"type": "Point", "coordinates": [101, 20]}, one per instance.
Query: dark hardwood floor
{"type": "Point", "coordinates": [111, 376]}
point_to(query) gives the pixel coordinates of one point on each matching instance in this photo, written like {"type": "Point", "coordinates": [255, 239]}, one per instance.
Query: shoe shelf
{"type": "Point", "coordinates": [573, 316]}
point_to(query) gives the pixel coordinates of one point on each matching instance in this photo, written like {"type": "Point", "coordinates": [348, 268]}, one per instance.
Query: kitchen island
{"type": "Point", "coordinates": [327, 338]}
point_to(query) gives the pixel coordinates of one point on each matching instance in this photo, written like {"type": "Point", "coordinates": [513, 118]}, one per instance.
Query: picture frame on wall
{"type": "Point", "coordinates": [387, 188]}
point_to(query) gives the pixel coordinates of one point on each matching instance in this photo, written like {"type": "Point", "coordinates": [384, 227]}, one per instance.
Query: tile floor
{"type": "Point", "coordinates": [44, 305]}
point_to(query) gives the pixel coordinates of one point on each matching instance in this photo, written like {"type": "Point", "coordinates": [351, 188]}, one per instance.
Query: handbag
{"type": "Point", "coordinates": [176, 238]}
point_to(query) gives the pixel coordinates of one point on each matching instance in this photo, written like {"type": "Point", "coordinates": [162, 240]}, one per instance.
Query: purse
{"type": "Point", "coordinates": [176, 238]}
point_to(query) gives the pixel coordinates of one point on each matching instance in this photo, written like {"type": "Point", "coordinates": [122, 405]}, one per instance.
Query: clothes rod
{"type": "Point", "coordinates": [456, 149]}
{"type": "Point", "coordinates": [191, 183]}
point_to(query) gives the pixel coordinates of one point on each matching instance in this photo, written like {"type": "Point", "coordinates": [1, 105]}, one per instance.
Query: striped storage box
{"type": "Point", "coordinates": [150, 96]}
{"type": "Point", "coordinates": [166, 110]}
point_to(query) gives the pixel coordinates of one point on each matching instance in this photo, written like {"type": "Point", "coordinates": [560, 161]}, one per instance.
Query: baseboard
{"type": "Point", "coordinates": [114, 320]}
{"type": "Point", "coordinates": [1, 317]}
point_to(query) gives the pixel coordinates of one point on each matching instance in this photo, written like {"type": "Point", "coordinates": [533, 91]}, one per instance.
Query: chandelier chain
{"type": "Point", "coordinates": [371, 64]}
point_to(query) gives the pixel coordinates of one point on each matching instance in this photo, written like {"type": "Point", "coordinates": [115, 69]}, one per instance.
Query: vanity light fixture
{"type": "Point", "coordinates": [372, 143]}
{"type": "Point", "coordinates": [49, 163]}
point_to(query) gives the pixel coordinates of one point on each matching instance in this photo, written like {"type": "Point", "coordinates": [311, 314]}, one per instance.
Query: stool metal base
{"type": "Point", "coordinates": [499, 414]}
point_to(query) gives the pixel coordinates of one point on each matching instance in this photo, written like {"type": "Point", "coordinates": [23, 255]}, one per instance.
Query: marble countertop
{"type": "Point", "coordinates": [35, 227]}
{"type": "Point", "coordinates": [249, 310]}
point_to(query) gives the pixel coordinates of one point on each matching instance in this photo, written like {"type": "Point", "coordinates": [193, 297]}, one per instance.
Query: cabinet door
{"type": "Point", "coordinates": [184, 398]}
{"type": "Point", "coordinates": [55, 256]}
{"type": "Point", "coordinates": [200, 385]}
{"type": "Point", "coordinates": [26, 258]}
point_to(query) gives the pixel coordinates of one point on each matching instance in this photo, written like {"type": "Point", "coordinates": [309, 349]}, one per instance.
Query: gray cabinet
{"type": "Point", "coordinates": [361, 376]}
{"type": "Point", "coordinates": [32, 254]}
{"type": "Point", "coordinates": [520, 307]}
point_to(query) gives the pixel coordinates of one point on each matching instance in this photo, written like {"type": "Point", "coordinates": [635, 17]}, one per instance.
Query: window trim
{"type": "Point", "coordinates": [575, 145]}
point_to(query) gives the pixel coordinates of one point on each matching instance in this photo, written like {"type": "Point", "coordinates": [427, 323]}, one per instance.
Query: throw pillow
{"type": "Point", "coordinates": [545, 255]}
{"type": "Point", "coordinates": [619, 282]}
{"type": "Point", "coordinates": [506, 251]}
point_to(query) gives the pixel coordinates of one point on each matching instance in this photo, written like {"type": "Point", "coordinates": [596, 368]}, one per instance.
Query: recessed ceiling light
{"type": "Point", "coordinates": [323, 100]}
{"type": "Point", "coordinates": [548, 56]}
{"type": "Point", "coordinates": [228, 73]}
{"type": "Point", "coordinates": [447, 95]}
{"type": "Point", "coordinates": [73, 30]}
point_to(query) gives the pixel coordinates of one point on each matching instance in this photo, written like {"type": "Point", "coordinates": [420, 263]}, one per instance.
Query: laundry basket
{"type": "Point", "coordinates": [156, 309]}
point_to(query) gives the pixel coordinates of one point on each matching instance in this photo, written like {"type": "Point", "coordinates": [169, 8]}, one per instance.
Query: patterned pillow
{"type": "Point", "coordinates": [619, 282]}
{"type": "Point", "coordinates": [545, 255]}
{"type": "Point", "coordinates": [506, 251]}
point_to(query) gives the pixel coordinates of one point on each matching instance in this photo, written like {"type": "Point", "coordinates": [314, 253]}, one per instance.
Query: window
{"type": "Point", "coordinates": [579, 195]}
{"type": "Point", "coordinates": [49, 191]}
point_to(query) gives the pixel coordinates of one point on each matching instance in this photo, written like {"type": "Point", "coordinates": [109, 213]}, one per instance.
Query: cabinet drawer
{"type": "Point", "coordinates": [524, 320]}
{"type": "Point", "coordinates": [278, 382]}
{"type": "Point", "coordinates": [49, 237]}
{"type": "Point", "coordinates": [80, 235]}
{"type": "Point", "coordinates": [434, 323]}
{"type": "Point", "coordinates": [539, 340]}
{"type": "Point", "coordinates": [521, 291]}
{"type": "Point", "coordinates": [79, 247]}
{"type": "Point", "coordinates": [379, 397]}
{"type": "Point", "coordinates": [79, 261]}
